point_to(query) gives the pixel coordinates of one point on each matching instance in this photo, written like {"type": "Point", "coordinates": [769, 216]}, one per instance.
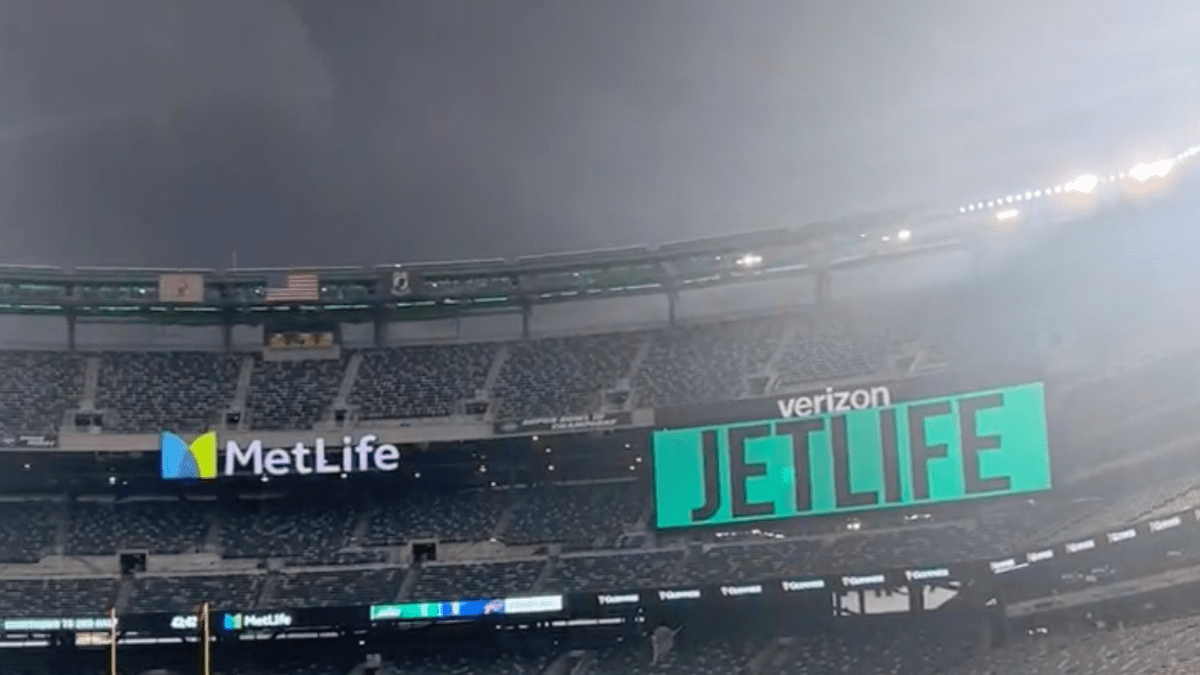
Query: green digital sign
{"type": "Point", "coordinates": [980, 444]}
{"type": "Point", "coordinates": [411, 610]}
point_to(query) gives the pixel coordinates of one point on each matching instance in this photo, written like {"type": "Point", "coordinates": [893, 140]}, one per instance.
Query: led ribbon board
{"type": "Point", "coordinates": [980, 444]}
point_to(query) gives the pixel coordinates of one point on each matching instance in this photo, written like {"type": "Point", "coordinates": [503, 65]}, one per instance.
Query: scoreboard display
{"type": "Point", "coordinates": [300, 339]}
{"type": "Point", "coordinates": [967, 446]}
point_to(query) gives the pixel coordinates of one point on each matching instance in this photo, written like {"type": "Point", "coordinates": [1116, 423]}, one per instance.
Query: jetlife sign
{"type": "Point", "coordinates": [972, 445]}
{"type": "Point", "coordinates": [198, 459]}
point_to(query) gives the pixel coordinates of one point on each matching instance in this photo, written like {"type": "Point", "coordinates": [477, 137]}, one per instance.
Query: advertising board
{"type": "Point", "coordinates": [972, 445]}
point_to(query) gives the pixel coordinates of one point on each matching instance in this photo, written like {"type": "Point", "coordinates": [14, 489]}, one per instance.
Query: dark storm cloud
{"type": "Point", "coordinates": [174, 132]}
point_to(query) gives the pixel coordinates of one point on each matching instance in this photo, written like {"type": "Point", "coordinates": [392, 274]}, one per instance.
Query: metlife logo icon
{"type": "Point", "coordinates": [198, 459]}
{"type": "Point", "coordinates": [236, 622]}
{"type": "Point", "coordinates": [193, 459]}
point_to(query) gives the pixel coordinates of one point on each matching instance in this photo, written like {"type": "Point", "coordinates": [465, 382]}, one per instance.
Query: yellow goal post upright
{"type": "Point", "coordinates": [112, 641]}
{"type": "Point", "coordinates": [205, 639]}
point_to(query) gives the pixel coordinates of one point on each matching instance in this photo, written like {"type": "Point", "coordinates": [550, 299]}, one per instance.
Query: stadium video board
{"type": "Point", "coordinates": [972, 445]}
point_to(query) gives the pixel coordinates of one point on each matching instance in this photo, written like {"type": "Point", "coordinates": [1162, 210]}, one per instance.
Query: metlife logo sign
{"type": "Point", "coordinates": [236, 622]}
{"type": "Point", "coordinates": [303, 459]}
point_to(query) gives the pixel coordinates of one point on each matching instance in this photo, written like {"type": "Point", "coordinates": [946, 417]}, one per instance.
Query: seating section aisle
{"type": "Point", "coordinates": [36, 390]}
{"type": "Point", "coordinates": [613, 572]}
{"type": "Point", "coordinates": [186, 391]}
{"type": "Point", "coordinates": [413, 382]}
{"type": "Point", "coordinates": [563, 376]}
{"type": "Point", "coordinates": [888, 550]}
{"type": "Point", "coordinates": [26, 530]}
{"type": "Point", "coordinates": [751, 562]}
{"type": "Point", "coordinates": [706, 362]}
{"type": "Point", "coordinates": [152, 391]}
{"type": "Point", "coordinates": [292, 394]}
{"type": "Point", "coordinates": [310, 531]}
{"type": "Point", "coordinates": [481, 580]}
{"type": "Point", "coordinates": [185, 594]}
{"type": "Point", "coordinates": [103, 528]}
{"type": "Point", "coordinates": [32, 598]}
{"type": "Point", "coordinates": [337, 588]}
{"type": "Point", "coordinates": [828, 352]}
{"type": "Point", "coordinates": [717, 657]}
{"type": "Point", "coordinates": [457, 660]}
{"type": "Point", "coordinates": [864, 649]}
{"type": "Point", "coordinates": [1166, 647]}
{"type": "Point", "coordinates": [584, 515]}
{"type": "Point", "coordinates": [465, 515]}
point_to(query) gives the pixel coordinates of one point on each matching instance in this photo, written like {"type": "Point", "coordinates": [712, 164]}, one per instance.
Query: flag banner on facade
{"type": "Point", "coordinates": [181, 288]}
{"type": "Point", "coordinates": [295, 287]}
{"type": "Point", "coordinates": [585, 422]}
{"type": "Point", "coordinates": [400, 283]}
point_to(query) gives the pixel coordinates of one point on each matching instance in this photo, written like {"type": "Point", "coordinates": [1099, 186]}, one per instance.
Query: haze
{"type": "Point", "coordinates": [172, 133]}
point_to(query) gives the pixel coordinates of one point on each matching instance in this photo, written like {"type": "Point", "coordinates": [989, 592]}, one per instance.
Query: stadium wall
{"type": "Point", "coordinates": [746, 297]}
{"type": "Point", "coordinates": [491, 327]}
{"type": "Point", "coordinates": [93, 336]}
{"type": "Point", "coordinates": [358, 335]}
{"type": "Point", "coordinates": [902, 274]}
{"type": "Point", "coordinates": [596, 316]}
{"type": "Point", "coordinates": [442, 330]}
{"type": "Point", "coordinates": [498, 327]}
{"type": "Point", "coordinates": [242, 338]}
{"type": "Point", "coordinates": [33, 332]}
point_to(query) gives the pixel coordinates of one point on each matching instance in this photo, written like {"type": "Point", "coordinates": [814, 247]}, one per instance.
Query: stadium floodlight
{"type": "Point", "coordinates": [1008, 215]}
{"type": "Point", "coordinates": [904, 235]}
{"type": "Point", "coordinates": [749, 260]}
{"type": "Point", "coordinates": [1144, 172]}
{"type": "Point", "coordinates": [1084, 184]}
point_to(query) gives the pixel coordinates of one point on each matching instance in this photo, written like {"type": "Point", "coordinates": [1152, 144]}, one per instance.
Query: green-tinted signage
{"type": "Point", "coordinates": [412, 610]}
{"type": "Point", "coordinates": [982, 444]}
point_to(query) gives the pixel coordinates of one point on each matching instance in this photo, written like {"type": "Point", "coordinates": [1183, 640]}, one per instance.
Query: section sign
{"type": "Point", "coordinates": [980, 444]}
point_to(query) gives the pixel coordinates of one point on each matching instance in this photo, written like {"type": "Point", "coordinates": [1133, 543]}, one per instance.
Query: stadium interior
{"type": "Point", "coordinates": [527, 472]}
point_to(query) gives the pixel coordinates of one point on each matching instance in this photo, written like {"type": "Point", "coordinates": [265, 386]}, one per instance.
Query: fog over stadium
{"type": "Point", "coordinates": [144, 132]}
{"type": "Point", "coordinates": [825, 337]}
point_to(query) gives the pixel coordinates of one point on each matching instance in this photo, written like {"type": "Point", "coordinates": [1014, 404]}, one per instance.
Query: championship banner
{"type": "Point", "coordinates": [982, 444]}
{"type": "Point", "coordinates": [589, 422]}
{"type": "Point", "coordinates": [300, 339]}
{"type": "Point", "coordinates": [181, 288]}
{"type": "Point", "coordinates": [312, 334]}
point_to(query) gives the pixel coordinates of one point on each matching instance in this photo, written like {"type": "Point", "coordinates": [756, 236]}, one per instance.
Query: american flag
{"type": "Point", "coordinates": [297, 287]}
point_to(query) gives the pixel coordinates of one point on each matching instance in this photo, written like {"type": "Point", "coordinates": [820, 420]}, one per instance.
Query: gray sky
{"type": "Point", "coordinates": [173, 132]}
